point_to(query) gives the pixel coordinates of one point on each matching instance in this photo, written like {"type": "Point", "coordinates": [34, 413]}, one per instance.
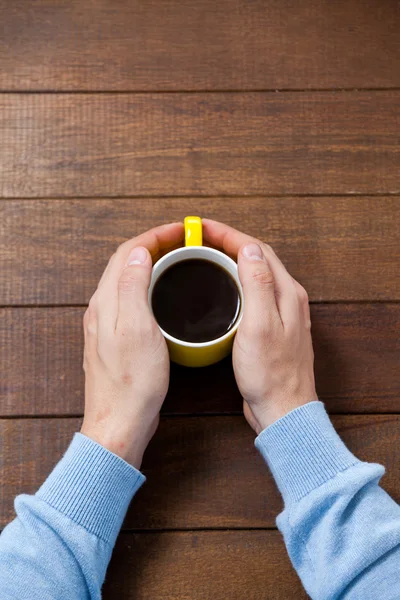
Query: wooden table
{"type": "Point", "coordinates": [279, 118]}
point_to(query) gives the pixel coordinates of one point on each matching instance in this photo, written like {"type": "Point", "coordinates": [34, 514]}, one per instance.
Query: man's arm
{"type": "Point", "coordinates": [342, 531]}
{"type": "Point", "coordinates": [60, 544]}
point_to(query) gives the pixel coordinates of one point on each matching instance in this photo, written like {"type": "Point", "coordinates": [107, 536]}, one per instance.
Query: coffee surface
{"type": "Point", "coordinates": [196, 301]}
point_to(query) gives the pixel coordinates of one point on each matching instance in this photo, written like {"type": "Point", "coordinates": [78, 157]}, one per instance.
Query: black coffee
{"type": "Point", "coordinates": [196, 300]}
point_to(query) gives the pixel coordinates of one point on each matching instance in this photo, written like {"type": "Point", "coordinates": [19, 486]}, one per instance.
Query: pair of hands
{"type": "Point", "coordinates": [126, 359]}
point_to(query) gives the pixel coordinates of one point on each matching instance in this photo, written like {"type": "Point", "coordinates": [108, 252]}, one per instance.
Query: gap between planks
{"type": "Point", "coordinates": [167, 415]}
{"type": "Point", "coordinates": [313, 302]}
{"type": "Point", "coordinates": [122, 197]}
{"type": "Point", "coordinates": [202, 91]}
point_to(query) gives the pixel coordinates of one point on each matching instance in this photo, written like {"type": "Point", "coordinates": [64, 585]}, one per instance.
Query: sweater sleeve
{"type": "Point", "coordinates": [341, 529]}
{"type": "Point", "coordinates": [60, 544]}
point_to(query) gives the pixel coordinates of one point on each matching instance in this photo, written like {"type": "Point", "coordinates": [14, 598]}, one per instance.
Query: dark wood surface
{"type": "Point", "coordinates": [202, 565]}
{"type": "Point", "coordinates": [279, 118]}
{"type": "Point", "coordinates": [339, 249]}
{"type": "Point", "coordinates": [357, 349]}
{"type": "Point", "coordinates": [191, 45]}
{"type": "Point", "coordinates": [201, 144]}
{"type": "Point", "coordinates": [202, 472]}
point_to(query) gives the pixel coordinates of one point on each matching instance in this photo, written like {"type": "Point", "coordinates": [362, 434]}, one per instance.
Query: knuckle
{"type": "Point", "coordinates": [90, 317]}
{"type": "Point", "coordinates": [302, 294]}
{"type": "Point", "coordinates": [122, 247]}
{"type": "Point", "coordinates": [263, 279]}
{"type": "Point", "coordinates": [92, 307]}
{"type": "Point", "coordinates": [128, 280]}
{"type": "Point", "coordinates": [268, 248]}
{"type": "Point", "coordinates": [91, 328]}
{"type": "Point", "coordinates": [125, 284]}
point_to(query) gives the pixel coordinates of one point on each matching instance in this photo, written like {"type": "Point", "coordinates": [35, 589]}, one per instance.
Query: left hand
{"type": "Point", "coordinates": [126, 359]}
{"type": "Point", "coordinates": [273, 356]}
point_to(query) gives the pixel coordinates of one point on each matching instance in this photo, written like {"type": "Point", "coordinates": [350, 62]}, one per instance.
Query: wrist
{"type": "Point", "coordinates": [120, 446]}
{"type": "Point", "coordinates": [266, 414]}
{"type": "Point", "coordinates": [129, 443]}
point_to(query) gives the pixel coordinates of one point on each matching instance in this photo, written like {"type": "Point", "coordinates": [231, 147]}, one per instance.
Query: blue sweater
{"type": "Point", "coordinates": [342, 531]}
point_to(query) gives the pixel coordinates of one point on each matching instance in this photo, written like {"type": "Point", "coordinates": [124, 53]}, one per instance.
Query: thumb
{"type": "Point", "coordinates": [260, 308]}
{"type": "Point", "coordinates": [133, 286]}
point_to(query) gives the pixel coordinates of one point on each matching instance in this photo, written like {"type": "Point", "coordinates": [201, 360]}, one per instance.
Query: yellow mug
{"type": "Point", "coordinates": [202, 354]}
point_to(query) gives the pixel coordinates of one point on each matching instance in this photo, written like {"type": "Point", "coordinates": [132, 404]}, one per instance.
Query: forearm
{"type": "Point", "coordinates": [60, 543]}
{"type": "Point", "coordinates": [342, 531]}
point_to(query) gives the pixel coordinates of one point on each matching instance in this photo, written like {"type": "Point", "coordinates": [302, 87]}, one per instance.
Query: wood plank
{"type": "Point", "coordinates": [356, 346]}
{"type": "Point", "coordinates": [202, 565]}
{"type": "Point", "coordinates": [210, 475]}
{"type": "Point", "coordinates": [339, 249]}
{"type": "Point", "coordinates": [203, 144]}
{"type": "Point", "coordinates": [198, 44]}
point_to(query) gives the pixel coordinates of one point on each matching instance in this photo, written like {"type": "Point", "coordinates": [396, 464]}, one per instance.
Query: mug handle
{"type": "Point", "coordinates": [193, 231]}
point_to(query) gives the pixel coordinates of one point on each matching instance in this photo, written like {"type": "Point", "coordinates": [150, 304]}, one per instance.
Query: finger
{"type": "Point", "coordinates": [157, 241]}
{"type": "Point", "coordinates": [304, 303]}
{"type": "Point", "coordinates": [90, 331]}
{"type": "Point", "coordinates": [106, 271]}
{"type": "Point", "coordinates": [221, 236]}
{"type": "Point", "coordinates": [85, 323]}
{"type": "Point", "coordinates": [230, 241]}
{"type": "Point", "coordinates": [260, 309]}
{"type": "Point", "coordinates": [133, 288]}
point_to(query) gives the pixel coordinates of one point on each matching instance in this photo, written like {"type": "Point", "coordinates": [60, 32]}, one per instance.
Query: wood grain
{"type": "Point", "coordinates": [204, 565]}
{"type": "Point", "coordinates": [204, 144]}
{"type": "Point", "coordinates": [341, 249]}
{"type": "Point", "coordinates": [357, 348]}
{"type": "Point", "coordinates": [210, 475]}
{"type": "Point", "coordinates": [316, 174]}
{"type": "Point", "coordinates": [198, 44]}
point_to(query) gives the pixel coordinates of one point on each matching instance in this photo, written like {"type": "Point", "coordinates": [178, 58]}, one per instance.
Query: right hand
{"type": "Point", "coordinates": [273, 357]}
{"type": "Point", "coordinates": [126, 359]}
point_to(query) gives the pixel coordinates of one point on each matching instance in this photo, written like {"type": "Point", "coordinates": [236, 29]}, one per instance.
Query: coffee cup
{"type": "Point", "coordinates": [187, 310]}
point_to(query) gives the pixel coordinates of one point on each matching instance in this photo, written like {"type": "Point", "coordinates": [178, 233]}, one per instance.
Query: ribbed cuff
{"type": "Point", "coordinates": [93, 487]}
{"type": "Point", "coordinates": [303, 451]}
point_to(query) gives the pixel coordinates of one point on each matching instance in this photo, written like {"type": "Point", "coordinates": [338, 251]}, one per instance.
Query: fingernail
{"type": "Point", "coordinates": [137, 256]}
{"type": "Point", "coordinates": [252, 252]}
